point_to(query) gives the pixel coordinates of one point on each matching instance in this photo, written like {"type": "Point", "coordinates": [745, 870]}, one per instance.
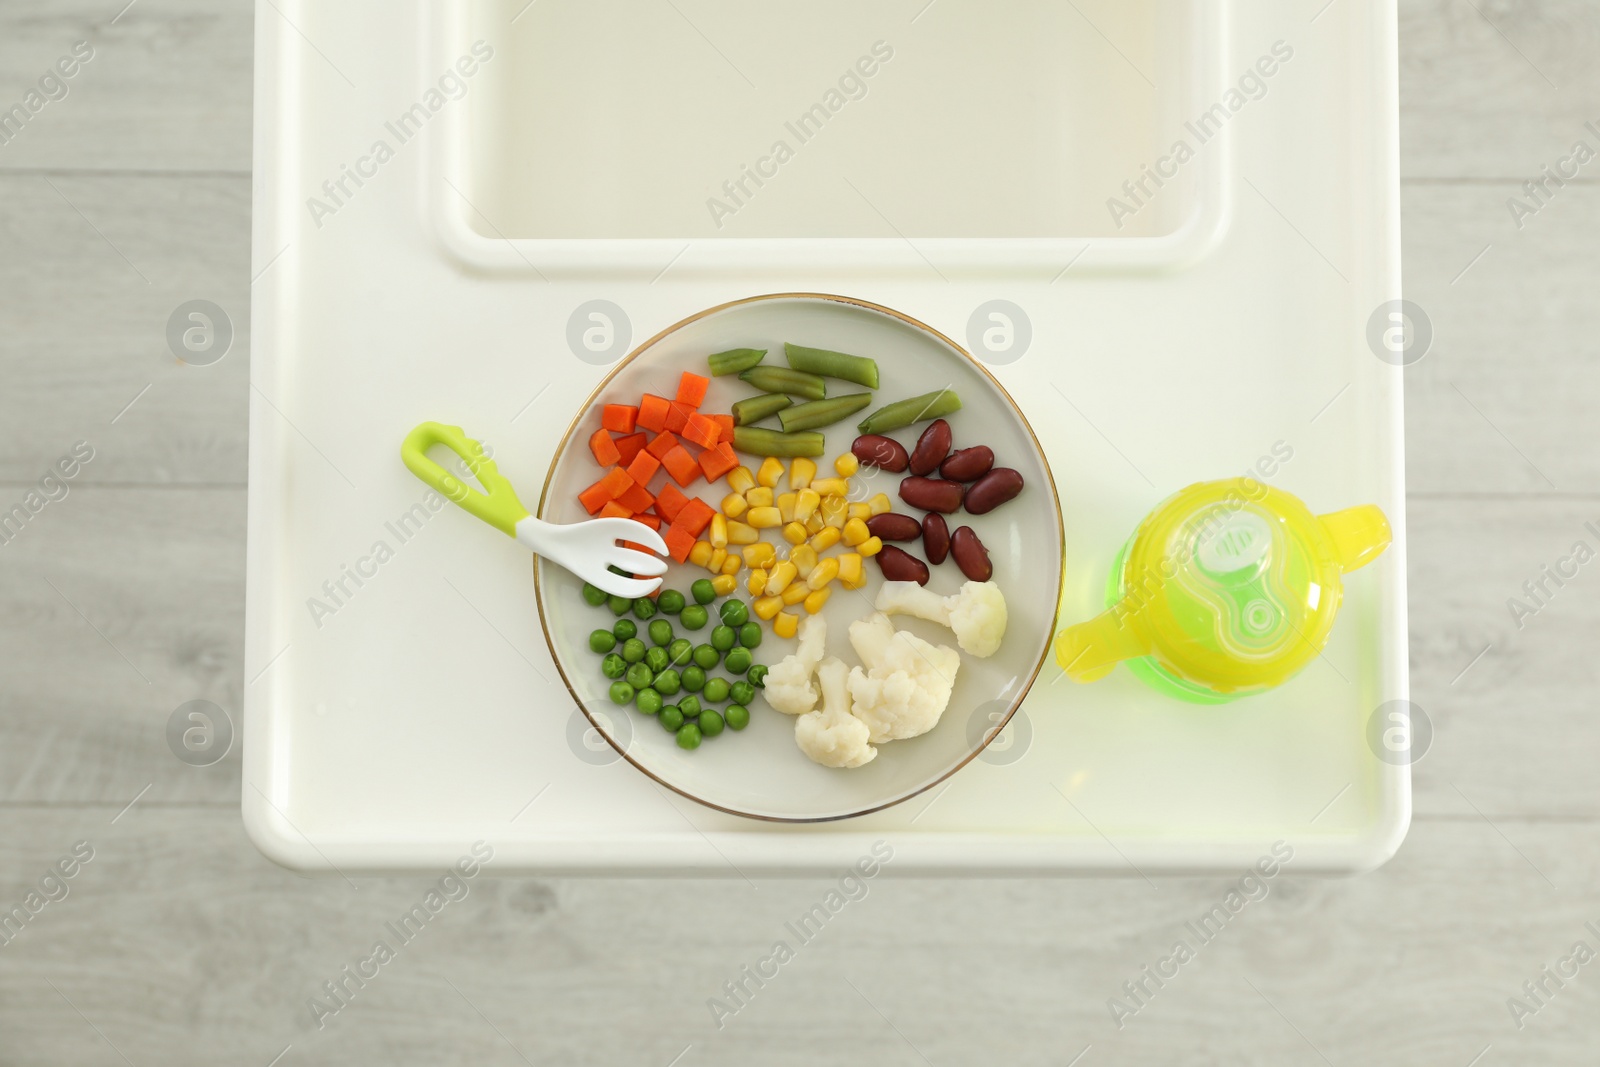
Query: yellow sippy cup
{"type": "Point", "coordinates": [1226, 589]}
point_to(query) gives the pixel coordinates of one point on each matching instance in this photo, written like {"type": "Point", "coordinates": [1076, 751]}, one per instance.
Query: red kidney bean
{"type": "Point", "coordinates": [932, 494]}
{"type": "Point", "coordinates": [970, 555]}
{"type": "Point", "coordinates": [899, 565]}
{"type": "Point", "coordinates": [935, 537]}
{"type": "Point", "coordinates": [992, 490]}
{"type": "Point", "coordinates": [967, 465]}
{"type": "Point", "coordinates": [892, 527]}
{"type": "Point", "coordinates": [883, 452]}
{"type": "Point", "coordinates": [932, 447]}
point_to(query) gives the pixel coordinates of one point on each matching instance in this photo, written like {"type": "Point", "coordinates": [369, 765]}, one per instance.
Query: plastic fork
{"type": "Point", "coordinates": [586, 549]}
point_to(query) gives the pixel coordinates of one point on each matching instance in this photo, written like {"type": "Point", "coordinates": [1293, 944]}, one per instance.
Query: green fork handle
{"type": "Point", "coordinates": [498, 506]}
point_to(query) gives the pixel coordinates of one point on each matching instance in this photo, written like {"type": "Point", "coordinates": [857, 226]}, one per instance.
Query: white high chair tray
{"type": "Point", "coordinates": [444, 188]}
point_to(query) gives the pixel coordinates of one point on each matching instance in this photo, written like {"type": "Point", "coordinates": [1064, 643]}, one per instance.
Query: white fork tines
{"type": "Point", "coordinates": [587, 549]}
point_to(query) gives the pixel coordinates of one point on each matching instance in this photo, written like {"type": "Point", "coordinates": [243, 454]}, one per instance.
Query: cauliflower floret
{"type": "Point", "coordinates": [789, 687]}
{"type": "Point", "coordinates": [831, 735]}
{"type": "Point", "coordinates": [977, 613]}
{"type": "Point", "coordinates": [907, 682]}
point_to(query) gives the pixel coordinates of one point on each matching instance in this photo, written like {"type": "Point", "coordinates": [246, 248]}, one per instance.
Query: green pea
{"type": "Point", "coordinates": [690, 706]}
{"type": "Point", "coordinates": [656, 659]}
{"type": "Point", "coordinates": [716, 690]}
{"type": "Point", "coordinates": [738, 660]}
{"type": "Point", "coordinates": [671, 718]}
{"type": "Point", "coordinates": [741, 692]}
{"type": "Point", "coordinates": [613, 666]}
{"type": "Point", "coordinates": [734, 612]}
{"type": "Point", "coordinates": [710, 723]}
{"type": "Point", "coordinates": [680, 651]}
{"type": "Point", "coordinates": [638, 676]}
{"type": "Point", "coordinates": [738, 716]}
{"type": "Point", "coordinates": [706, 656]}
{"type": "Point", "coordinates": [644, 608]}
{"type": "Point", "coordinates": [633, 650]}
{"type": "Point", "coordinates": [689, 736]}
{"type": "Point", "coordinates": [670, 601]}
{"type": "Point", "coordinates": [648, 701]}
{"type": "Point", "coordinates": [703, 591]}
{"type": "Point", "coordinates": [602, 641]}
{"type": "Point", "coordinates": [661, 632]}
{"type": "Point", "coordinates": [694, 617]}
{"type": "Point", "coordinates": [624, 629]}
{"type": "Point", "coordinates": [667, 682]}
{"type": "Point", "coordinates": [750, 635]}
{"type": "Point", "coordinates": [694, 679]}
{"type": "Point", "coordinates": [758, 675]}
{"type": "Point", "coordinates": [593, 595]}
{"type": "Point", "coordinates": [620, 605]}
{"type": "Point", "coordinates": [723, 638]}
{"type": "Point", "coordinates": [621, 693]}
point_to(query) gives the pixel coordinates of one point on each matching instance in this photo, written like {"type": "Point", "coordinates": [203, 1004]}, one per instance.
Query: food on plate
{"type": "Point", "coordinates": [759, 441]}
{"type": "Point", "coordinates": [735, 360]}
{"type": "Point", "coordinates": [832, 735]}
{"type": "Point", "coordinates": [936, 538]}
{"type": "Point", "coordinates": [970, 555]}
{"type": "Point", "coordinates": [931, 448]}
{"type": "Point", "coordinates": [770, 379]}
{"type": "Point", "coordinates": [892, 527]}
{"type": "Point", "coordinates": [815, 414]}
{"type": "Point", "coordinates": [755, 408]}
{"type": "Point", "coordinates": [788, 682]}
{"type": "Point", "coordinates": [898, 565]}
{"type": "Point", "coordinates": [976, 614]}
{"type": "Point", "coordinates": [905, 683]}
{"type": "Point", "coordinates": [931, 494]}
{"type": "Point", "coordinates": [967, 464]}
{"type": "Point", "coordinates": [992, 490]}
{"type": "Point", "coordinates": [858, 369]}
{"type": "Point", "coordinates": [903, 413]}
{"type": "Point", "coordinates": [885, 453]}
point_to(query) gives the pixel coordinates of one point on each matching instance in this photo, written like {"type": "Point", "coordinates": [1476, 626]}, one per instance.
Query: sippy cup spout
{"type": "Point", "coordinates": [1359, 534]}
{"type": "Point", "coordinates": [1089, 650]}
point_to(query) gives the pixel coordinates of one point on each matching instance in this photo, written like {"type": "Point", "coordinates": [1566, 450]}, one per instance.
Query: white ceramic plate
{"type": "Point", "coordinates": [759, 772]}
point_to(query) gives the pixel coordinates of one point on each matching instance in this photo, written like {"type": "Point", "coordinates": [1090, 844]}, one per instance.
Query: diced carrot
{"type": "Point", "coordinates": [695, 516]}
{"type": "Point", "coordinates": [701, 431]}
{"type": "Point", "coordinates": [653, 412]}
{"type": "Point", "coordinates": [669, 502]}
{"type": "Point", "coordinates": [652, 521]}
{"type": "Point", "coordinates": [643, 468]}
{"type": "Point", "coordinates": [692, 389]}
{"type": "Point", "coordinates": [604, 449]}
{"type": "Point", "coordinates": [595, 497]}
{"type": "Point", "coordinates": [661, 444]}
{"type": "Point", "coordinates": [619, 418]}
{"type": "Point", "coordinates": [637, 547]}
{"type": "Point", "coordinates": [678, 417]}
{"type": "Point", "coordinates": [614, 510]}
{"type": "Point", "coordinates": [681, 466]}
{"type": "Point", "coordinates": [718, 461]}
{"type": "Point", "coordinates": [636, 498]}
{"type": "Point", "coordinates": [630, 446]}
{"type": "Point", "coordinates": [724, 426]}
{"type": "Point", "coordinates": [679, 542]}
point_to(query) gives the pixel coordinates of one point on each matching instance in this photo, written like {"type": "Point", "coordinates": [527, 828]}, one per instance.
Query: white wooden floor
{"type": "Point", "coordinates": [179, 944]}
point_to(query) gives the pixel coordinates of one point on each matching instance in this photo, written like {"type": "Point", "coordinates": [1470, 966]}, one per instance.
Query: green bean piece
{"type": "Point", "coordinates": [858, 369]}
{"type": "Point", "coordinates": [737, 715]}
{"type": "Point", "coordinates": [902, 413]}
{"type": "Point", "coordinates": [689, 736]}
{"type": "Point", "coordinates": [758, 441]}
{"type": "Point", "coordinates": [710, 723]}
{"type": "Point", "coordinates": [820, 413]}
{"type": "Point", "coordinates": [755, 408]}
{"type": "Point", "coordinates": [735, 360]}
{"type": "Point", "coordinates": [671, 718]}
{"type": "Point", "coordinates": [786, 380]}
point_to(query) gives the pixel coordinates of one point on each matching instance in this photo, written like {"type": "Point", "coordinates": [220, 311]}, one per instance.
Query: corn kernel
{"type": "Point", "coordinates": [859, 511]}
{"type": "Point", "coordinates": [830, 486]}
{"type": "Point", "coordinates": [759, 497]}
{"type": "Point", "coordinates": [815, 523]}
{"type": "Point", "coordinates": [855, 532]}
{"type": "Point", "coordinates": [824, 572]}
{"type": "Point", "coordinates": [880, 504]}
{"type": "Point", "coordinates": [804, 557]}
{"type": "Point", "coordinates": [734, 505]}
{"type": "Point", "coordinates": [814, 602]}
{"type": "Point", "coordinates": [785, 624]}
{"type": "Point", "coordinates": [764, 518]}
{"type": "Point", "coordinates": [724, 584]}
{"type": "Point", "coordinates": [714, 564]}
{"type": "Point", "coordinates": [851, 574]}
{"type": "Point", "coordinates": [794, 533]}
{"type": "Point", "coordinates": [740, 480]}
{"type": "Point", "coordinates": [871, 546]}
{"type": "Point", "coordinates": [719, 532]}
{"type": "Point", "coordinates": [732, 564]}
{"type": "Point", "coordinates": [740, 534]}
{"type": "Point", "coordinates": [779, 577]}
{"type": "Point", "coordinates": [824, 539]}
{"type": "Point", "coordinates": [833, 510]}
{"type": "Point", "coordinates": [786, 506]}
{"type": "Point", "coordinates": [795, 594]}
{"type": "Point", "coordinates": [801, 471]}
{"type": "Point", "coordinates": [766, 607]}
{"type": "Point", "coordinates": [770, 472]}
{"type": "Point", "coordinates": [847, 464]}
{"type": "Point", "coordinates": [700, 554]}
{"type": "Point", "coordinates": [757, 583]}
{"type": "Point", "coordinates": [759, 554]}
{"type": "Point", "coordinates": [806, 502]}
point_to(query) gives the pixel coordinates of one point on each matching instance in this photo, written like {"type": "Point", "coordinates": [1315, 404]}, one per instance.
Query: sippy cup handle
{"type": "Point", "coordinates": [1089, 650]}
{"type": "Point", "coordinates": [1359, 534]}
